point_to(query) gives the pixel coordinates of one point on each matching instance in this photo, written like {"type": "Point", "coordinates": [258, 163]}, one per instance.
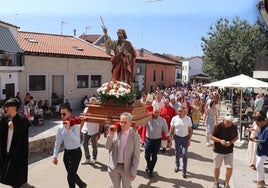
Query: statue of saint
{"type": "Point", "coordinates": [124, 56]}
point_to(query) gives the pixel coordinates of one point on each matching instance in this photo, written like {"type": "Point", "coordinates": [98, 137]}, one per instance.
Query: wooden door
{"type": "Point", "coordinates": [10, 91]}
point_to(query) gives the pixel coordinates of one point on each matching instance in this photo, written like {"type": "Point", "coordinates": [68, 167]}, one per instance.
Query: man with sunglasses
{"type": "Point", "coordinates": [69, 134]}
{"type": "Point", "coordinates": [224, 135]}
{"type": "Point", "coordinates": [262, 148]}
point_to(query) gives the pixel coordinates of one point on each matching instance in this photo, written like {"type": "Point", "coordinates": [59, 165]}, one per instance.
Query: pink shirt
{"type": "Point", "coordinates": [122, 146]}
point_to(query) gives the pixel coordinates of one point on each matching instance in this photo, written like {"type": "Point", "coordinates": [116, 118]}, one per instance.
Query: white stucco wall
{"type": "Point", "coordinates": [190, 68]}
{"type": "Point", "coordinates": [67, 67]}
{"type": "Point", "coordinates": [8, 78]}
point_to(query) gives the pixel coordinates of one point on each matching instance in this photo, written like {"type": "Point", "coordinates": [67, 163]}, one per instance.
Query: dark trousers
{"type": "Point", "coordinates": [71, 159]}
{"type": "Point", "coordinates": [93, 138]}
{"type": "Point", "coordinates": [152, 147]}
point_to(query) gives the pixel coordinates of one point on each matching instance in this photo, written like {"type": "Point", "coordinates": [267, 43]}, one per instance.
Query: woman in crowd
{"type": "Point", "coordinates": [262, 146]}
{"type": "Point", "coordinates": [210, 119]}
{"type": "Point", "coordinates": [196, 107]}
{"type": "Point", "coordinates": [252, 146]}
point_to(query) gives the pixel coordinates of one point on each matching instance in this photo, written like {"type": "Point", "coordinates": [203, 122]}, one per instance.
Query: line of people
{"type": "Point", "coordinates": [123, 143]}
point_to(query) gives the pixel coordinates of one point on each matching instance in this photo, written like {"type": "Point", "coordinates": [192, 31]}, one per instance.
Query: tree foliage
{"type": "Point", "coordinates": [230, 48]}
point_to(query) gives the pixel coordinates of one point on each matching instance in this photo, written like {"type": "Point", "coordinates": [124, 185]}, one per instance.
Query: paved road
{"type": "Point", "coordinates": [44, 174]}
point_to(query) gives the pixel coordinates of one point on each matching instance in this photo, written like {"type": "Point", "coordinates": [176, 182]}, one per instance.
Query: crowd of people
{"type": "Point", "coordinates": [36, 110]}
{"type": "Point", "coordinates": [176, 112]}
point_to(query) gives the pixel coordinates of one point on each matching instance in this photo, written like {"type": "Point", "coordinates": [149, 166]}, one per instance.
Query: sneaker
{"type": "Point", "coordinates": [256, 181]}
{"type": "Point", "coordinates": [177, 169]}
{"type": "Point", "coordinates": [93, 161]}
{"type": "Point", "coordinates": [83, 186]}
{"type": "Point", "coordinates": [226, 186]}
{"type": "Point", "coordinates": [164, 150]}
{"type": "Point", "coordinates": [208, 144]}
{"type": "Point", "coordinates": [150, 174]}
{"type": "Point", "coordinates": [86, 161]}
{"type": "Point", "coordinates": [184, 175]}
{"type": "Point", "coordinates": [216, 185]}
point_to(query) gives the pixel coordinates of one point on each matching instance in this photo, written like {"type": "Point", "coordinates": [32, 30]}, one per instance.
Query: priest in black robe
{"type": "Point", "coordinates": [14, 146]}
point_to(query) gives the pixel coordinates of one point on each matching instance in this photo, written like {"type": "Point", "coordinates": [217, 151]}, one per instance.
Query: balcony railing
{"type": "Point", "coordinates": [11, 59]}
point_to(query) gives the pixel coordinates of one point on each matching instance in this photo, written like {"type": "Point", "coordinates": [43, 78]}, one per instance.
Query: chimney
{"type": "Point", "coordinates": [74, 32]}
{"type": "Point", "coordinates": [141, 52]}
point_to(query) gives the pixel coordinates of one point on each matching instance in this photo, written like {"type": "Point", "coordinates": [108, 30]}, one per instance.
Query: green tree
{"type": "Point", "coordinates": [230, 48]}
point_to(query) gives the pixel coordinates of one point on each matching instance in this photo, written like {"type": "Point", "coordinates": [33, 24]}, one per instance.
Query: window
{"type": "Point", "coordinates": [37, 82]}
{"type": "Point", "coordinates": [138, 70]}
{"type": "Point", "coordinates": [82, 81]}
{"type": "Point", "coordinates": [178, 75]}
{"type": "Point", "coordinates": [95, 81]}
{"type": "Point", "coordinates": [162, 75]}
{"type": "Point", "coordinates": [154, 76]}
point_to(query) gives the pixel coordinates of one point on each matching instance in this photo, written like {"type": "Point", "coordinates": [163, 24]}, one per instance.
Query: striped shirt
{"type": "Point", "coordinates": [155, 127]}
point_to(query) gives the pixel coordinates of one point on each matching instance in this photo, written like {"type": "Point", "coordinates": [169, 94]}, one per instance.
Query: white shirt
{"type": "Point", "coordinates": [70, 138]}
{"type": "Point", "coordinates": [181, 125]}
{"type": "Point", "coordinates": [90, 128]}
{"type": "Point", "coordinates": [158, 104]}
{"type": "Point", "coordinates": [9, 138]}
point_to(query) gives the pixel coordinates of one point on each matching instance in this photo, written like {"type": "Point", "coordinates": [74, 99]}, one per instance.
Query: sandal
{"type": "Point", "coordinates": [259, 182]}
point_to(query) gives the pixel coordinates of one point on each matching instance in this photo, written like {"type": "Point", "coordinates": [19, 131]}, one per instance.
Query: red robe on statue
{"type": "Point", "coordinates": [123, 64]}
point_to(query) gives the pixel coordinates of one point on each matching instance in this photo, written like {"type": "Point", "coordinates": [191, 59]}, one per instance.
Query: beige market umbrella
{"type": "Point", "coordinates": [240, 81]}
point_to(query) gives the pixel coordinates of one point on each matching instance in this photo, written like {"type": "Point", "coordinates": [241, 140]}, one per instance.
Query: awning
{"type": "Point", "coordinates": [8, 42]}
{"type": "Point", "coordinates": [200, 76]}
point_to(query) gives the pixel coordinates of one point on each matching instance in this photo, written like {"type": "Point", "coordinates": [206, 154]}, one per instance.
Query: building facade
{"type": "Point", "coordinates": [191, 67]}
{"type": "Point", "coordinates": [153, 70]}
{"type": "Point", "coordinates": [61, 65]}
{"type": "Point", "coordinates": [11, 62]}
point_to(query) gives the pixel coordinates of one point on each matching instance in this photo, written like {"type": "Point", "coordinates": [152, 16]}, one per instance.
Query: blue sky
{"type": "Point", "coordinates": [161, 26]}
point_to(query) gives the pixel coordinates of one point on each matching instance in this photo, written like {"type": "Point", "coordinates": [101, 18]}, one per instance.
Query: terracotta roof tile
{"type": "Point", "coordinates": [58, 45]}
{"type": "Point", "coordinates": [149, 56]}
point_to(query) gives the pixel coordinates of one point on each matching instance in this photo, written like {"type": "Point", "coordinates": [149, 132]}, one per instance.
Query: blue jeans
{"type": "Point", "coordinates": [181, 150]}
{"type": "Point", "coordinates": [152, 147]}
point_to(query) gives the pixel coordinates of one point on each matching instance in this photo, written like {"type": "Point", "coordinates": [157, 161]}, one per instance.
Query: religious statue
{"type": "Point", "coordinates": [124, 56]}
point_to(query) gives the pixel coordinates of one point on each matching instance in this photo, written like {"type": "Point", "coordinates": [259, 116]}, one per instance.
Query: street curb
{"type": "Point", "coordinates": [41, 145]}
